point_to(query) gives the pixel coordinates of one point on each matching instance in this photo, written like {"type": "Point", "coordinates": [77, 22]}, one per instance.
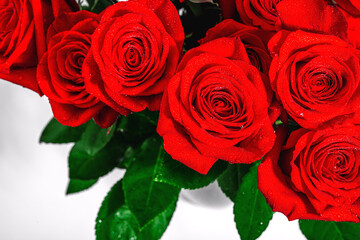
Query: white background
{"type": "Point", "coordinates": [33, 181]}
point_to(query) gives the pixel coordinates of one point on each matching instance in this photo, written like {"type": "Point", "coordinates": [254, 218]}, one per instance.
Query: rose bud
{"type": "Point", "coordinates": [134, 53]}
{"type": "Point", "coordinates": [316, 77]}
{"type": "Point", "coordinates": [215, 107]}
{"type": "Point", "coordinates": [315, 175]}
{"type": "Point", "coordinates": [23, 25]}
{"type": "Point", "coordinates": [60, 71]}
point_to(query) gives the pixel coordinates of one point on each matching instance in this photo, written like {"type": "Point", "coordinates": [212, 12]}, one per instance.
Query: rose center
{"type": "Point", "coordinates": [320, 84]}
{"type": "Point", "coordinates": [70, 54]}
{"type": "Point", "coordinates": [337, 165]}
{"type": "Point", "coordinates": [80, 61]}
{"type": "Point", "coordinates": [73, 67]}
{"type": "Point", "coordinates": [132, 57]}
{"type": "Point", "coordinates": [221, 105]}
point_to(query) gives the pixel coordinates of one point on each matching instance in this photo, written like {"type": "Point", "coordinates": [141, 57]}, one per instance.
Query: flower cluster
{"type": "Point", "coordinates": [275, 79]}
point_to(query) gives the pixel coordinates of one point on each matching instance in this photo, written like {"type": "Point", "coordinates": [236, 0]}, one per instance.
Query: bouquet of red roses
{"type": "Point", "coordinates": [262, 96]}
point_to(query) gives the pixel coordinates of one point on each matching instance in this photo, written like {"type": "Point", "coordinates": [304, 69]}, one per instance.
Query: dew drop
{"type": "Point", "coordinates": [182, 11]}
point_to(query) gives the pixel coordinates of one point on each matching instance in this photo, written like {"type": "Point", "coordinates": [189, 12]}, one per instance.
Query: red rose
{"type": "Point", "coordinates": [350, 6]}
{"type": "Point", "coordinates": [259, 13]}
{"type": "Point", "coordinates": [60, 71]}
{"type": "Point", "coordinates": [23, 24]}
{"type": "Point", "coordinates": [316, 77]}
{"type": "Point", "coordinates": [134, 53]}
{"type": "Point", "coordinates": [316, 175]}
{"type": "Point", "coordinates": [215, 107]}
{"type": "Point", "coordinates": [255, 42]}
{"type": "Point", "coordinates": [319, 16]}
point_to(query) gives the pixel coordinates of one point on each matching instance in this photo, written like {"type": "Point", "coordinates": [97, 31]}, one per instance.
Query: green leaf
{"type": "Point", "coordinates": [252, 213]}
{"type": "Point", "coordinates": [55, 132]}
{"type": "Point", "coordinates": [156, 228]}
{"type": "Point", "coordinates": [76, 185]}
{"type": "Point", "coordinates": [95, 138]}
{"type": "Point", "coordinates": [145, 197]}
{"type": "Point", "coordinates": [196, 8]}
{"type": "Point", "coordinates": [87, 164]}
{"type": "Point", "coordinates": [116, 221]}
{"type": "Point", "coordinates": [150, 116]}
{"type": "Point", "coordinates": [136, 128]}
{"type": "Point", "coordinates": [321, 230]}
{"type": "Point", "coordinates": [177, 174]}
{"type": "Point", "coordinates": [128, 158]}
{"type": "Point", "coordinates": [230, 180]}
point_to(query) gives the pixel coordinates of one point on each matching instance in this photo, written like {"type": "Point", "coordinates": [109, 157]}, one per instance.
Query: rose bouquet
{"type": "Point", "coordinates": [261, 96]}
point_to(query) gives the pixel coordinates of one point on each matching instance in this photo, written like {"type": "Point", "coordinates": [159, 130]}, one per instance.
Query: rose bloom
{"type": "Point", "coordinates": [255, 42]}
{"type": "Point", "coordinates": [259, 13]}
{"type": "Point", "coordinates": [60, 71]}
{"type": "Point", "coordinates": [23, 25]}
{"type": "Point", "coordinates": [134, 53]}
{"type": "Point", "coordinates": [215, 107]}
{"type": "Point", "coordinates": [316, 77]}
{"type": "Point", "coordinates": [315, 175]}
